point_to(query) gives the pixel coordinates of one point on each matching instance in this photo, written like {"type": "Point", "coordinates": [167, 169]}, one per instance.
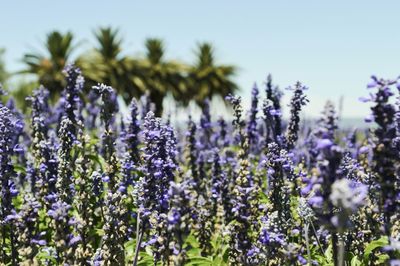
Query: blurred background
{"type": "Point", "coordinates": [182, 52]}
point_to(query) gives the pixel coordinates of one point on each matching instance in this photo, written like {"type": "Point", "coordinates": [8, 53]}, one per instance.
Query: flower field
{"type": "Point", "coordinates": [82, 183]}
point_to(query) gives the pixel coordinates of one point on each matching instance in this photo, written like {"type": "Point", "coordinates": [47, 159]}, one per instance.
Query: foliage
{"type": "Point", "coordinates": [3, 73]}
{"type": "Point", "coordinates": [48, 67]}
{"type": "Point", "coordinates": [133, 76]}
{"type": "Point", "coordinates": [207, 79]}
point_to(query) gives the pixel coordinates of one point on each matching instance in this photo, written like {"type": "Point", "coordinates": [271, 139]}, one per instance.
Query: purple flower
{"type": "Point", "coordinates": [205, 128]}
{"type": "Point", "coordinates": [12, 217]}
{"type": "Point", "coordinates": [369, 119]}
{"type": "Point", "coordinates": [251, 128]}
{"type": "Point", "coordinates": [385, 155]}
{"type": "Point", "coordinates": [316, 201]}
{"type": "Point", "coordinates": [74, 240]}
{"type": "Point", "coordinates": [324, 143]}
{"type": "Point", "coordinates": [348, 195]}
{"type": "Point", "coordinates": [105, 178]}
{"type": "Point", "coordinates": [364, 99]}
{"type": "Point", "coordinates": [109, 106]}
{"type": "Point", "coordinates": [39, 242]}
{"type": "Point", "coordinates": [394, 262]}
{"type": "Point", "coordinates": [18, 149]}
{"type": "Point", "coordinates": [132, 134]}
{"type": "Point", "coordinates": [40, 116]}
{"type": "Point", "coordinates": [373, 83]}
{"type": "Point", "coordinates": [59, 210]}
{"type": "Point", "coordinates": [298, 100]}
{"type": "Point", "coordinates": [158, 169]}
{"type": "Point", "coordinates": [273, 100]}
{"type": "Point", "coordinates": [302, 260]}
{"type": "Point", "coordinates": [363, 149]}
{"type": "Point", "coordinates": [73, 103]}
{"type": "Point", "coordinates": [8, 131]}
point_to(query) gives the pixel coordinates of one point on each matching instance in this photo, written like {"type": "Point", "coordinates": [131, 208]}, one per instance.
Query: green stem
{"type": "Point", "coordinates": [137, 249]}
{"type": "Point", "coordinates": [316, 237]}
{"type": "Point", "coordinates": [335, 248]}
{"type": "Point", "coordinates": [341, 251]}
{"type": "Point", "coordinates": [139, 237]}
{"type": "Point", "coordinates": [306, 227]}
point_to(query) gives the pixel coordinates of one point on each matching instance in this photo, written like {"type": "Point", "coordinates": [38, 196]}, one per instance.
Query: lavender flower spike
{"type": "Point", "coordinates": [298, 100]}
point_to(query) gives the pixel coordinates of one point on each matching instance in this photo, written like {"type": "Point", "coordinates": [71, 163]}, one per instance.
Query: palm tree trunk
{"type": "Point", "coordinates": [157, 98]}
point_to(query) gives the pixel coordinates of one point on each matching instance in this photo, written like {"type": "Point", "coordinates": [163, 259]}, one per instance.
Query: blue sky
{"type": "Point", "coordinates": [332, 47]}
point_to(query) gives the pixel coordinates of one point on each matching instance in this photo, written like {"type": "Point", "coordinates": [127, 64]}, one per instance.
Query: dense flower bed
{"type": "Point", "coordinates": [83, 185]}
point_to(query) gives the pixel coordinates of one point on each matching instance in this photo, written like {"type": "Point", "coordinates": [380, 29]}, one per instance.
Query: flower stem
{"type": "Point", "coordinates": [139, 237]}
{"type": "Point", "coordinates": [341, 251]}
{"type": "Point", "coordinates": [306, 227]}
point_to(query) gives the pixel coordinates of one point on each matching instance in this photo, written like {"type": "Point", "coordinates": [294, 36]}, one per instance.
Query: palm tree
{"type": "Point", "coordinates": [49, 67]}
{"type": "Point", "coordinates": [207, 79]}
{"type": "Point", "coordinates": [107, 65]}
{"type": "Point", "coordinates": [3, 72]}
{"type": "Point", "coordinates": [109, 43]}
{"type": "Point", "coordinates": [162, 76]}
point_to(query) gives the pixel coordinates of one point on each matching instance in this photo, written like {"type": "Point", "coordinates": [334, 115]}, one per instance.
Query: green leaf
{"type": "Point", "coordinates": [100, 231]}
{"type": "Point", "coordinates": [19, 169]}
{"type": "Point", "coordinates": [355, 262]}
{"type": "Point", "coordinates": [383, 258]}
{"type": "Point", "coordinates": [148, 250]}
{"type": "Point", "coordinates": [199, 261]}
{"type": "Point", "coordinates": [192, 241]}
{"type": "Point", "coordinates": [217, 261]}
{"type": "Point", "coordinates": [130, 244]}
{"type": "Point", "coordinates": [381, 242]}
{"type": "Point", "coordinates": [216, 241]}
{"type": "Point", "coordinates": [194, 252]}
{"type": "Point", "coordinates": [96, 158]}
{"type": "Point", "coordinates": [328, 254]}
{"type": "Point", "coordinates": [45, 256]}
{"type": "Point", "coordinates": [145, 259]}
{"type": "Point", "coordinates": [225, 254]}
{"type": "Point", "coordinates": [130, 248]}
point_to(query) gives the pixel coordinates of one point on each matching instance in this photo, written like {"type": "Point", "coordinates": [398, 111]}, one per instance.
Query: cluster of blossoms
{"type": "Point", "coordinates": [83, 183]}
